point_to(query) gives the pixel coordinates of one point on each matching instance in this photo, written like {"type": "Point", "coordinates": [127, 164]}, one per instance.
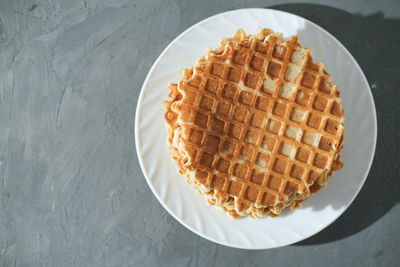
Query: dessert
{"type": "Point", "coordinates": [255, 126]}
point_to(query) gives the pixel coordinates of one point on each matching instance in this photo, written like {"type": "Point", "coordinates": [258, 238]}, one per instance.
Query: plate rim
{"type": "Point", "coordinates": [138, 143]}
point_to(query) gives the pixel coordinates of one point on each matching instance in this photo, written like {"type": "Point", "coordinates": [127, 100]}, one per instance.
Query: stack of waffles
{"type": "Point", "coordinates": [255, 126]}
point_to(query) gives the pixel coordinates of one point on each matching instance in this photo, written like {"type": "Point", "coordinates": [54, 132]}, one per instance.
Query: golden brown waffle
{"type": "Point", "coordinates": [256, 126]}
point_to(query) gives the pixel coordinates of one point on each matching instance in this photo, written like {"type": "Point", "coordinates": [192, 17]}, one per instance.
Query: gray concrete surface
{"type": "Point", "coordinates": [71, 189]}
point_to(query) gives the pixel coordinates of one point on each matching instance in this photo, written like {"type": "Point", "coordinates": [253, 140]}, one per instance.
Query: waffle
{"type": "Point", "coordinates": [255, 126]}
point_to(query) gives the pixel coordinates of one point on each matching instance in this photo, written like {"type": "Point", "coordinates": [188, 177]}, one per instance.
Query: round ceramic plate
{"type": "Point", "coordinates": [190, 208]}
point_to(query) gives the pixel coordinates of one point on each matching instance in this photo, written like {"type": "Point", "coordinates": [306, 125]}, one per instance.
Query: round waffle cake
{"type": "Point", "coordinates": [255, 126]}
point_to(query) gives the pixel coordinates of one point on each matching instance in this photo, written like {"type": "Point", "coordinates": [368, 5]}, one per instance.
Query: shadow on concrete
{"type": "Point", "coordinates": [374, 41]}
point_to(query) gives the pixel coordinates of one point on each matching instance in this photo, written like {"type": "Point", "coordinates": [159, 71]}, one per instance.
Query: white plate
{"type": "Point", "coordinates": [188, 207]}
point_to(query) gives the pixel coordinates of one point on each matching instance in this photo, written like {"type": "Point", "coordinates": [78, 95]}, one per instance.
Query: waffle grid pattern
{"type": "Point", "coordinates": [261, 122]}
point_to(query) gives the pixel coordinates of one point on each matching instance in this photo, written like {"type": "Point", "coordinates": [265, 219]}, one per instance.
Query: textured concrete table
{"type": "Point", "coordinates": [71, 189]}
